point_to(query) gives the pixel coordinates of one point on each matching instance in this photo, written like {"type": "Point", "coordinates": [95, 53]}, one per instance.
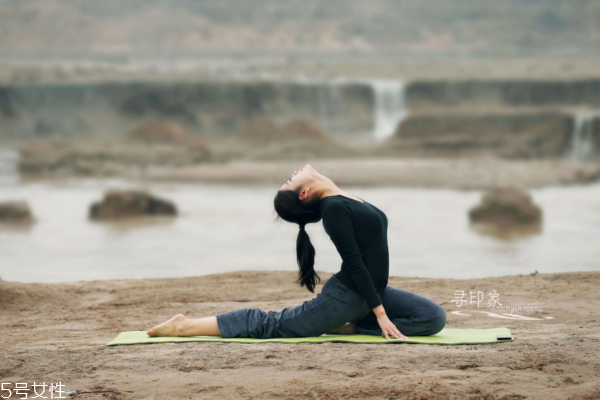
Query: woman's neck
{"type": "Point", "coordinates": [323, 187]}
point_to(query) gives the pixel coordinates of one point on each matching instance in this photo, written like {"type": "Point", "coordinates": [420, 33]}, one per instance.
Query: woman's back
{"type": "Point", "coordinates": [359, 232]}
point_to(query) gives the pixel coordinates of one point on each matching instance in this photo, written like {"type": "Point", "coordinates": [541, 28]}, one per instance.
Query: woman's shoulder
{"type": "Point", "coordinates": [332, 202]}
{"type": "Point", "coordinates": [334, 206]}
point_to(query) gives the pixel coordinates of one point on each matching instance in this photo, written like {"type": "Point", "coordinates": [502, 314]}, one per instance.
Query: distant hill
{"type": "Point", "coordinates": [419, 27]}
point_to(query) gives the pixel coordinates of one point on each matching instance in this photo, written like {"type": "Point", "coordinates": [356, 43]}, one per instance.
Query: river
{"type": "Point", "coordinates": [231, 228]}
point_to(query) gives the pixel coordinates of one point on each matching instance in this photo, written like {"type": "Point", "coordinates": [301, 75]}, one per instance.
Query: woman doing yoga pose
{"type": "Point", "coordinates": [356, 300]}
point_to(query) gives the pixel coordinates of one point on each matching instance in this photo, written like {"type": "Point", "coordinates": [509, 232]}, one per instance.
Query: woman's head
{"type": "Point", "coordinates": [301, 181]}
{"type": "Point", "coordinates": [297, 203]}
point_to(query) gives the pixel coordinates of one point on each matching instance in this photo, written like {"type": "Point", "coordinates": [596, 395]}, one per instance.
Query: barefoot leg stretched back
{"type": "Point", "coordinates": [179, 325]}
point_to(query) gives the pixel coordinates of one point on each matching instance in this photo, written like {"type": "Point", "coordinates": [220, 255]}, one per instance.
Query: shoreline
{"type": "Point", "coordinates": [442, 173]}
{"type": "Point", "coordinates": [462, 174]}
{"type": "Point", "coordinates": [321, 273]}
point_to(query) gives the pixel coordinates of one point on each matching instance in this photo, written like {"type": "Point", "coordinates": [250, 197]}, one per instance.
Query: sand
{"type": "Point", "coordinates": [58, 333]}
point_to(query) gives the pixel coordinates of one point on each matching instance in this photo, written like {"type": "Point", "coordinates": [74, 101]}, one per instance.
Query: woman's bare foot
{"type": "Point", "coordinates": [347, 329]}
{"type": "Point", "coordinates": [173, 327]}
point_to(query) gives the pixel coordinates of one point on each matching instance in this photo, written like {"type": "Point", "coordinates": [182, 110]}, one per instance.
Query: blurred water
{"type": "Point", "coordinates": [390, 107]}
{"type": "Point", "coordinates": [227, 228]}
{"type": "Point", "coordinates": [582, 137]}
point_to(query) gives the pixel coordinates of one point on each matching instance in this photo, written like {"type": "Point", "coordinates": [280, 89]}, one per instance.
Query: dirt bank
{"type": "Point", "coordinates": [473, 173]}
{"type": "Point", "coordinates": [392, 163]}
{"type": "Point", "coordinates": [64, 340]}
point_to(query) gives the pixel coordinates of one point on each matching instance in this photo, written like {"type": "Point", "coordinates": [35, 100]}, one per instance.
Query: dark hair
{"type": "Point", "coordinates": [290, 208]}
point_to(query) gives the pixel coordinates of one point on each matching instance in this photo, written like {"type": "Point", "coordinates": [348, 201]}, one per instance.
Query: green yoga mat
{"type": "Point", "coordinates": [445, 337]}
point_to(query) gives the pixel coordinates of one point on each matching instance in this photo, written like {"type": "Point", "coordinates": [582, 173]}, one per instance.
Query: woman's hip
{"type": "Point", "coordinates": [336, 288]}
{"type": "Point", "coordinates": [331, 308]}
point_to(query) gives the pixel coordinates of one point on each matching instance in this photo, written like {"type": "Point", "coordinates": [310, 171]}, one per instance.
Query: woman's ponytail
{"type": "Point", "coordinates": [289, 207]}
{"type": "Point", "coordinates": [305, 253]}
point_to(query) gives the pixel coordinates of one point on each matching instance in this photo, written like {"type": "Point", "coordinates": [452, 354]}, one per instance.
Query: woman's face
{"type": "Point", "coordinates": [299, 178]}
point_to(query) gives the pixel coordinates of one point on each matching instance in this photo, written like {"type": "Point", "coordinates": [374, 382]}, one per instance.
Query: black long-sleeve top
{"type": "Point", "coordinates": [359, 232]}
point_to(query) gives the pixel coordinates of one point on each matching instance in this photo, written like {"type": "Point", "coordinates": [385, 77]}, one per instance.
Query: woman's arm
{"type": "Point", "coordinates": [387, 326]}
{"type": "Point", "coordinates": [337, 222]}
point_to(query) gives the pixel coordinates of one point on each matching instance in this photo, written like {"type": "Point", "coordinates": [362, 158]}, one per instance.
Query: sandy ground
{"type": "Point", "coordinates": [58, 333]}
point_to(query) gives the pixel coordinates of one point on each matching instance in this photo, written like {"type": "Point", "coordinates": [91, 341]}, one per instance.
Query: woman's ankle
{"type": "Point", "coordinates": [182, 328]}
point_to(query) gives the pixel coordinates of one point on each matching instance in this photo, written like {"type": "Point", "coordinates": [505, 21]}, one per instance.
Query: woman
{"type": "Point", "coordinates": [355, 300]}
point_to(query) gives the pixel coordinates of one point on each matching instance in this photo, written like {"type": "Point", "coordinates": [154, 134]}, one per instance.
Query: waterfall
{"type": "Point", "coordinates": [582, 137]}
{"type": "Point", "coordinates": [8, 167]}
{"type": "Point", "coordinates": [390, 107]}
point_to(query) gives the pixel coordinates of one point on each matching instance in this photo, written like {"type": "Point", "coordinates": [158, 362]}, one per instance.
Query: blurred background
{"type": "Point", "coordinates": [147, 138]}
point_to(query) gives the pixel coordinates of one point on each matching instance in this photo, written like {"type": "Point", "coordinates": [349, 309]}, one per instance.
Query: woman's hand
{"type": "Point", "coordinates": [387, 326]}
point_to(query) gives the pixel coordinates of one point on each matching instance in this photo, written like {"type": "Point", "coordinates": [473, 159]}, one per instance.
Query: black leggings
{"type": "Point", "coordinates": [413, 315]}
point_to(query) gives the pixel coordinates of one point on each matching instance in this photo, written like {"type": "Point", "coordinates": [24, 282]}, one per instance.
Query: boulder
{"type": "Point", "coordinates": [506, 207]}
{"type": "Point", "coordinates": [86, 157]}
{"type": "Point", "coordinates": [511, 134]}
{"type": "Point", "coordinates": [15, 212]}
{"type": "Point", "coordinates": [119, 204]}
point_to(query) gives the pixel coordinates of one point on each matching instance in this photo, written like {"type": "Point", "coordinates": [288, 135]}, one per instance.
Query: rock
{"type": "Point", "coordinates": [260, 129]}
{"type": "Point", "coordinates": [506, 134]}
{"type": "Point", "coordinates": [119, 204]}
{"type": "Point", "coordinates": [571, 380]}
{"type": "Point", "coordinates": [506, 207]}
{"type": "Point", "coordinates": [159, 132]}
{"type": "Point", "coordinates": [302, 129]}
{"type": "Point", "coordinates": [15, 212]}
{"type": "Point", "coordinates": [82, 157]}
{"type": "Point", "coordinates": [467, 364]}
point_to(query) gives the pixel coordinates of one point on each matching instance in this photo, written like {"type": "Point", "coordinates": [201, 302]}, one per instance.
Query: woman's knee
{"type": "Point", "coordinates": [438, 321]}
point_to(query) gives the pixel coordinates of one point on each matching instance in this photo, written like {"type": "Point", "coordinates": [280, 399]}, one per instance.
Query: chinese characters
{"type": "Point", "coordinates": [477, 297]}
